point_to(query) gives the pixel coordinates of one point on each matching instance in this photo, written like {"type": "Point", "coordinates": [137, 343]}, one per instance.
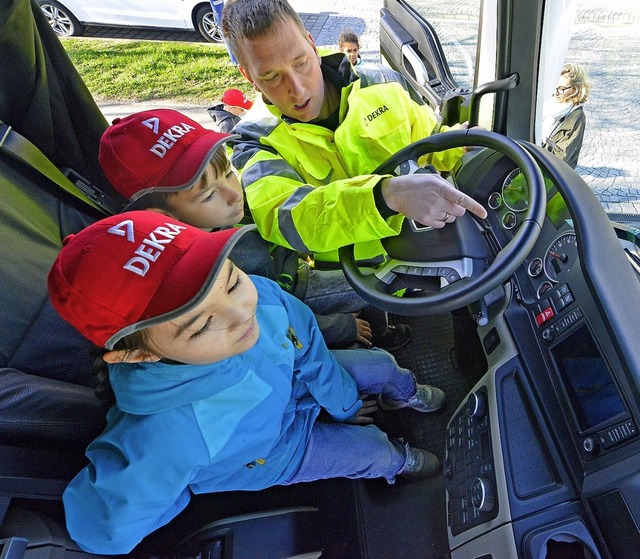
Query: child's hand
{"type": "Point", "coordinates": [363, 331]}
{"type": "Point", "coordinates": [363, 415]}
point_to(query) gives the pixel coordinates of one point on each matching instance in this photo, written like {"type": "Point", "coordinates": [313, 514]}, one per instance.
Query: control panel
{"type": "Point", "coordinates": [469, 467]}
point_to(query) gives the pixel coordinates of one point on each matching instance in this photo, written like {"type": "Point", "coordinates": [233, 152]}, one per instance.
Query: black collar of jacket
{"type": "Point", "coordinates": [337, 70]}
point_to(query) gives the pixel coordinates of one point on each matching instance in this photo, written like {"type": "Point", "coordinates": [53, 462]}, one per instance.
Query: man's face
{"type": "Point", "coordinates": [285, 67]}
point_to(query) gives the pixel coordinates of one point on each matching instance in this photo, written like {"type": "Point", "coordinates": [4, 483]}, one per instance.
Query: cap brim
{"type": "Point", "coordinates": [193, 163]}
{"type": "Point", "coordinates": [201, 264]}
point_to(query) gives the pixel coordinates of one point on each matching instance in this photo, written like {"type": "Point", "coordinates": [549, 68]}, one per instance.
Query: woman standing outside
{"type": "Point", "coordinates": [564, 118]}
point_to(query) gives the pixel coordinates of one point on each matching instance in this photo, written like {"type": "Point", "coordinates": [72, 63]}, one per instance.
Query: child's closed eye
{"type": "Point", "coordinates": [236, 284]}
{"type": "Point", "coordinates": [209, 197]}
{"type": "Point", "coordinates": [202, 330]}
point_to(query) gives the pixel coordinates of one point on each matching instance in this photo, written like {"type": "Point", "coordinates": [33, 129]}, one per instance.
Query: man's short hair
{"type": "Point", "coordinates": [251, 19]}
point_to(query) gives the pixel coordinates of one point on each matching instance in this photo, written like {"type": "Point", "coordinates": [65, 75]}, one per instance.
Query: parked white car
{"type": "Point", "coordinates": [69, 17]}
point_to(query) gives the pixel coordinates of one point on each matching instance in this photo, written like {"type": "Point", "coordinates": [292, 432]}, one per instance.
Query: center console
{"type": "Point", "coordinates": [543, 457]}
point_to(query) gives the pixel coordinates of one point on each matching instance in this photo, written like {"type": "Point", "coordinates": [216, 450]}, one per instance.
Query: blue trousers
{"type": "Point", "coordinates": [359, 451]}
{"type": "Point", "coordinates": [328, 291]}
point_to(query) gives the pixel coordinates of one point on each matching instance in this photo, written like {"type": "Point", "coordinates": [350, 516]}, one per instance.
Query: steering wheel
{"type": "Point", "coordinates": [467, 279]}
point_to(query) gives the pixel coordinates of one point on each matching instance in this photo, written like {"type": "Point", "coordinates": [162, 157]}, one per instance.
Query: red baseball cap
{"type": "Point", "coordinates": [134, 270]}
{"type": "Point", "coordinates": [160, 150]}
{"type": "Point", "coordinates": [236, 98]}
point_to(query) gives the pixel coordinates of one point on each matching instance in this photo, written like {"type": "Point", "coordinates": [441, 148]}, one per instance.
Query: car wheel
{"type": "Point", "coordinates": [63, 22]}
{"type": "Point", "coordinates": [208, 26]}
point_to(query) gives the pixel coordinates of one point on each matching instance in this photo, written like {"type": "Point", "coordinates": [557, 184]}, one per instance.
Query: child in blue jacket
{"type": "Point", "coordinates": [219, 380]}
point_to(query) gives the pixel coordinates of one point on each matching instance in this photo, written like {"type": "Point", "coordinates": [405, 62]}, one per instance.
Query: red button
{"type": "Point", "coordinates": [545, 315]}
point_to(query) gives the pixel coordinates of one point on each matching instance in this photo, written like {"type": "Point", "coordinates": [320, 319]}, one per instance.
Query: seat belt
{"type": "Point", "coordinates": [17, 146]}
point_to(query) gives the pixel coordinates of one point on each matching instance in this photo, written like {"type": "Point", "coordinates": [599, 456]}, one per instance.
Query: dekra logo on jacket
{"type": "Point", "coordinates": [375, 114]}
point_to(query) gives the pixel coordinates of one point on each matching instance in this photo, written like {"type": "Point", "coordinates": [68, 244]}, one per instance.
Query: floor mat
{"type": "Point", "coordinates": [408, 519]}
{"type": "Point", "coordinates": [428, 356]}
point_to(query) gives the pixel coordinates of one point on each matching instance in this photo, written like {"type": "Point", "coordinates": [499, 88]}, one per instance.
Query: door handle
{"type": "Point", "coordinates": [418, 67]}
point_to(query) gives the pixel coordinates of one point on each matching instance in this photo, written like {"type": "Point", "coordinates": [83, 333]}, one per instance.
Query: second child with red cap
{"type": "Point", "coordinates": [219, 380]}
{"type": "Point", "coordinates": [162, 159]}
{"type": "Point", "coordinates": [231, 108]}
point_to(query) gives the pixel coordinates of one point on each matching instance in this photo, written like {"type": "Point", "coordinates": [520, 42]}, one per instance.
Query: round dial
{"type": "Point", "coordinates": [515, 191]}
{"type": "Point", "coordinates": [509, 220]}
{"type": "Point", "coordinates": [483, 494]}
{"type": "Point", "coordinates": [535, 267]}
{"type": "Point", "coordinates": [545, 286]}
{"type": "Point", "coordinates": [560, 256]}
{"type": "Point", "coordinates": [495, 200]}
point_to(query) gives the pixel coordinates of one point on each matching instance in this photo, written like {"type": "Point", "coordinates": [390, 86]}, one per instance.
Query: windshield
{"type": "Point", "coordinates": [605, 41]}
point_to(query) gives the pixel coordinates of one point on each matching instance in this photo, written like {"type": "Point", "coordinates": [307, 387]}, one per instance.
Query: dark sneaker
{"type": "Point", "coordinates": [419, 464]}
{"type": "Point", "coordinates": [396, 336]}
{"type": "Point", "coordinates": [426, 399]}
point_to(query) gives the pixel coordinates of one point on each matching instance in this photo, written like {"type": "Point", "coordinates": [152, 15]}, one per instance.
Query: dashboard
{"type": "Point", "coordinates": [555, 300]}
{"type": "Point", "coordinates": [538, 450]}
{"type": "Point", "coordinates": [508, 205]}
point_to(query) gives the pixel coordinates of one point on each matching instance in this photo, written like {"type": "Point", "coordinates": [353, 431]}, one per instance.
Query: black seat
{"type": "Point", "coordinates": [48, 411]}
{"type": "Point", "coordinates": [46, 402]}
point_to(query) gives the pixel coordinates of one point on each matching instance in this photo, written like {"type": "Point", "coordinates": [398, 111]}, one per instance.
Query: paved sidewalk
{"type": "Point", "coordinates": [605, 38]}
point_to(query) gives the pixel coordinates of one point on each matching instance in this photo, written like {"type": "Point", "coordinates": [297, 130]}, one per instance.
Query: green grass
{"type": "Point", "coordinates": [120, 70]}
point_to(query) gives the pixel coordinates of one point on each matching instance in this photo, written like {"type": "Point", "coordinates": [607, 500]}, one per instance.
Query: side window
{"type": "Point", "coordinates": [457, 28]}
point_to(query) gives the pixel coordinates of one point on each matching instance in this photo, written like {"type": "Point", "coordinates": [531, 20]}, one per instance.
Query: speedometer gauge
{"type": "Point", "coordinates": [560, 256]}
{"type": "Point", "coordinates": [515, 191]}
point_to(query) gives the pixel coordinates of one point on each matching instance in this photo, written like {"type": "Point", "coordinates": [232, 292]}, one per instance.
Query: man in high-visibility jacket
{"type": "Point", "coordinates": [306, 161]}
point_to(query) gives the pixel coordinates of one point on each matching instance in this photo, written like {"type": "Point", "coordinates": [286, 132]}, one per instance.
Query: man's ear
{"type": "Point", "coordinates": [246, 75]}
{"type": "Point", "coordinates": [310, 39]}
{"type": "Point", "coordinates": [130, 356]}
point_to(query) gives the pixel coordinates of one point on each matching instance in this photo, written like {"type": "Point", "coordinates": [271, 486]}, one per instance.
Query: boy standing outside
{"type": "Point", "coordinates": [219, 379]}
{"type": "Point", "coordinates": [349, 44]}
{"type": "Point", "coordinates": [164, 160]}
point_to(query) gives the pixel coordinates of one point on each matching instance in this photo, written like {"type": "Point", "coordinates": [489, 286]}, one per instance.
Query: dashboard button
{"type": "Point", "coordinates": [542, 317]}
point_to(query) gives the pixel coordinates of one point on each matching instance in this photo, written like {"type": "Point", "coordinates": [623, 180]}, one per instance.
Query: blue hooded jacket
{"type": "Point", "coordinates": [240, 423]}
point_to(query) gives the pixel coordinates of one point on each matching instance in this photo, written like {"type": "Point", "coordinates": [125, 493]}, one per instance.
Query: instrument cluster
{"type": "Point", "coordinates": [546, 266]}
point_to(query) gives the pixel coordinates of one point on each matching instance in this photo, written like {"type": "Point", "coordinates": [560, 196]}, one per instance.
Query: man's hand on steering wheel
{"type": "Point", "coordinates": [428, 199]}
{"type": "Point", "coordinates": [420, 254]}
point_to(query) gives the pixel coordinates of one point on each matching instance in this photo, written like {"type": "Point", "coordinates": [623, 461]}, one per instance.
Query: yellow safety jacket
{"type": "Point", "coordinates": [310, 188]}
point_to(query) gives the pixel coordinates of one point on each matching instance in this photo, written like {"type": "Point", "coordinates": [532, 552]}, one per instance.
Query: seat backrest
{"type": "Point", "coordinates": [34, 217]}
{"type": "Point", "coordinates": [38, 350]}
{"type": "Point", "coordinates": [46, 368]}
{"type": "Point", "coordinates": [43, 97]}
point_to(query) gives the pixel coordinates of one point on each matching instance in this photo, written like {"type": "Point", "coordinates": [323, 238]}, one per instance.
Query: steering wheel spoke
{"type": "Point", "coordinates": [448, 271]}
